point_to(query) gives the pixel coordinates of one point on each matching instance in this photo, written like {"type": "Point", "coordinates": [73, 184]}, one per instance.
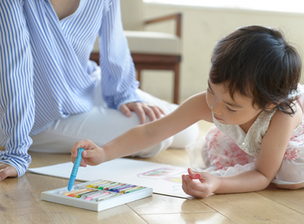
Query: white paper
{"type": "Point", "coordinates": [164, 179]}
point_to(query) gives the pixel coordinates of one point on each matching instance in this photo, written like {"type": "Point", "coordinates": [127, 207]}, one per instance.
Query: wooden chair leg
{"type": "Point", "coordinates": [176, 84]}
{"type": "Point", "coordinates": [138, 76]}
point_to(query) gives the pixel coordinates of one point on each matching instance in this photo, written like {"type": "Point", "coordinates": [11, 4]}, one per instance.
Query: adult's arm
{"type": "Point", "coordinates": [117, 67]}
{"type": "Point", "coordinates": [16, 87]}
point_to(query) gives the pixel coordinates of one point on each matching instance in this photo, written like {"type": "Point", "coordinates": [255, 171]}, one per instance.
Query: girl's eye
{"type": "Point", "coordinates": [232, 111]}
{"type": "Point", "coordinates": [210, 91]}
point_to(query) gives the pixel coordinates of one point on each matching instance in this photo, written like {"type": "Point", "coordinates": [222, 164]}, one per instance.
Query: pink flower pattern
{"type": "Point", "coordinates": [295, 148]}
{"type": "Point", "coordinates": [223, 152]}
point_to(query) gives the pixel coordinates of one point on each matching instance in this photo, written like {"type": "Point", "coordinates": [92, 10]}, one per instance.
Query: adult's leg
{"type": "Point", "coordinates": [181, 139]}
{"type": "Point", "coordinates": [100, 125]}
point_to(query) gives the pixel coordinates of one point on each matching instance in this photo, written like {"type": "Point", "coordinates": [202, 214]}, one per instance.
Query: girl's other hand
{"type": "Point", "coordinates": [207, 184]}
{"type": "Point", "coordinates": [92, 154]}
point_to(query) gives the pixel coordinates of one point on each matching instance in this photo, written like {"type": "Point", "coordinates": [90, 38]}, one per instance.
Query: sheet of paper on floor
{"type": "Point", "coordinates": [164, 179]}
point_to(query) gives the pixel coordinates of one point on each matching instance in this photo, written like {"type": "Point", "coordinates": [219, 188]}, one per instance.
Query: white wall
{"type": "Point", "coordinates": [202, 27]}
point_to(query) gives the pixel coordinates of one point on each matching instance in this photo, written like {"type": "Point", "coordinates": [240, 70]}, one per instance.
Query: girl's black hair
{"type": "Point", "coordinates": [257, 62]}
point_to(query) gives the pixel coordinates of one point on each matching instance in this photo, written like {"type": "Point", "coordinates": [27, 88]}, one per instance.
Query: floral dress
{"type": "Point", "coordinates": [227, 150]}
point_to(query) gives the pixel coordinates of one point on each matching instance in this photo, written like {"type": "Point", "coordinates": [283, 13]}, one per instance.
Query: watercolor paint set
{"type": "Point", "coordinates": [97, 195]}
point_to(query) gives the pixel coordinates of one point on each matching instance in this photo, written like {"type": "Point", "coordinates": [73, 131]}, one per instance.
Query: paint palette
{"type": "Point", "coordinates": [97, 195]}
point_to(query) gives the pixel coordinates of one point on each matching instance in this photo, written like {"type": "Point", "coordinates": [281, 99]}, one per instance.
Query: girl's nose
{"type": "Point", "coordinates": [216, 108]}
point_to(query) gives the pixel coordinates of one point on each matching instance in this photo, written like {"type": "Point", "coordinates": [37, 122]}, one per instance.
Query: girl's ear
{"type": "Point", "coordinates": [270, 106]}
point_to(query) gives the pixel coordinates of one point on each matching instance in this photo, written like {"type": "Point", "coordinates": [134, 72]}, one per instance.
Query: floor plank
{"type": "Point", "coordinates": [293, 199]}
{"type": "Point", "coordinates": [19, 203]}
{"type": "Point", "coordinates": [252, 208]}
{"type": "Point", "coordinates": [188, 218]}
{"type": "Point", "coordinates": [158, 204]}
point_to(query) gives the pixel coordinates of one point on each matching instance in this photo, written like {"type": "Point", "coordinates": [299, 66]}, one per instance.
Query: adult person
{"type": "Point", "coordinates": [52, 95]}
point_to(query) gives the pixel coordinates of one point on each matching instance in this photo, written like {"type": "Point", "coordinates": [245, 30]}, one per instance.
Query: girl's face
{"type": "Point", "coordinates": [237, 111]}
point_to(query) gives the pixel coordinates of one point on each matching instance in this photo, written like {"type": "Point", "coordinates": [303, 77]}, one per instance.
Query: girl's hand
{"type": "Point", "coordinates": [92, 154]}
{"type": "Point", "coordinates": [208, 184]}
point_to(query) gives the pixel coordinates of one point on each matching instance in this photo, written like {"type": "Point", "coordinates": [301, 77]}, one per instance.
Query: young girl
{"type": "Point", "coordinates": [253, 98]}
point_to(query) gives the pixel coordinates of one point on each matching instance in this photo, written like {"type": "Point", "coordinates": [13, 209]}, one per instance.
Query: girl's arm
{"type": "Point", "coordinates": [267, 164]}
{"type": "Point", "coordinates": [143, 136]}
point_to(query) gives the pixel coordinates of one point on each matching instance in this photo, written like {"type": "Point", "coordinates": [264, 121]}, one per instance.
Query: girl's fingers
{"type": "Point", "coordinates": [85, 144]}
{"type": "Point", "coordinates": [194, 188]}
{"type": "Point", "coordinates": [197, 194]}
{"type": "Point", "coordinates": [190, 171]}
{"type": "Point", "coordinates": [188, 189]}
{"type": "Point", "coordinates": [185, 186]}
{"type": "Point", "coordinates": [193, 175]}
{"type": "Point", "coordinates": [88, 154]}
{"type": "Point", "coordinates": [83, 163]}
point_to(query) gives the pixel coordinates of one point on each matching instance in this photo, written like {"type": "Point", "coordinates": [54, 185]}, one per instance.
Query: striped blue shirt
{"type": "Point", "coordinates": [45, 68]}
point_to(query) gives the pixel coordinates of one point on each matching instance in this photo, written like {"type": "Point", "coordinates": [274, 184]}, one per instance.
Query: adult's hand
{"type": "Point", "coordinates": [7, 171]}
{"type": "Point", "coordinates": [142, 109]}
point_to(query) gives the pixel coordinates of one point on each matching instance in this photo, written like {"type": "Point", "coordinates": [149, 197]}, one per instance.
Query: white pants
{"type": "Point", "coordinates": [102, 124]}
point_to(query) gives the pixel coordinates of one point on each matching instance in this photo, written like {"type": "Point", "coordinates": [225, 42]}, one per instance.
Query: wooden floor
{"type": "Point", "coordinates": [20, 202]}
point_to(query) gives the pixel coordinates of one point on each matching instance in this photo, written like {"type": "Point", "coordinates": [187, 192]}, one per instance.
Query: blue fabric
{"type": "Point", "coordinates": [45, 68]}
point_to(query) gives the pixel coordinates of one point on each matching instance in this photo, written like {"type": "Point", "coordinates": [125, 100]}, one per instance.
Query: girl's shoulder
{"type": "Point", "coordinates": [279, 133]}
{"type": "Point", "coordinates": [287, 121]}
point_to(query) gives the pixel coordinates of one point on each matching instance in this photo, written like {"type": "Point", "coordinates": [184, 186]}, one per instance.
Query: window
{"type": "Point", "coordinates": [296, 6]}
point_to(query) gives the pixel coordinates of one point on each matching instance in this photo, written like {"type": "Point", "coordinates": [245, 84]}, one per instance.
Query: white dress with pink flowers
{"type": "Point", "coordinates": [227, 150]}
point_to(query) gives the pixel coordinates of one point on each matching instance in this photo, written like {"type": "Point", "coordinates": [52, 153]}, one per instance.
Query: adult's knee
{"type": "Point", "coordinates": [186, 137]}
{"type": "Point", "coordinates": [155, 149]}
